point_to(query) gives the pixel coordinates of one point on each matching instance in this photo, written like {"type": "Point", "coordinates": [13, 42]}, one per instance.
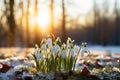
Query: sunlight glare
{"type": "Point", "coordinates": [43, 19]}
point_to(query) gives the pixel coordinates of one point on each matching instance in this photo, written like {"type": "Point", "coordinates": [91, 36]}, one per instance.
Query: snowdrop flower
{"type": "Point", "coordinates": [63, 54]}
{"type": "Point", "coordinates": [69, 45]}
{"type": "Point", "coordinates": [84, 44]}
{"type": "Point", "coordinates": [72, 52]}
{"type": "Point", "coordinates": [55, 49]}
{"type": "Point", "coordinates": [69, 40]}
{"type": "Point", "coordinates": [43, 47]}
{"type": "Point", "coordinates": [49, 42]}
{"type": "Point", "coordinates": [76, 49]}
{"type": "Point", "coordinates": [39, 57]}
{"type": "Point", "coordinates": [84, 52]}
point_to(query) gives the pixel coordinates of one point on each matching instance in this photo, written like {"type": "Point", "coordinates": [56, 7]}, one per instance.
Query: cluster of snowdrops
{"type": "Point", "coordinates": [54, 56]}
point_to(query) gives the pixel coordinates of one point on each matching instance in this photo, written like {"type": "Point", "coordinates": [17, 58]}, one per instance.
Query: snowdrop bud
{"type": "Point", "coordinates": [84, 52]}
{"type": "Point", "coordinates": [72, 52]}
{"type": "Point", "coordinates": [49, 42]}
{"type": "Point", "coordinates": [63, 45]}
{"type": "Point", "coordinates": [76, 49]}
{"type": "Point", "coordinates": [43, 47]}
{"type": "Point", "coordinates": [36, 48]}
{"type": "Point", "coordinates": [84, 44]}
{"type": "Point", "coordinates": [55, 49]}
{"type": "Point", "coordinates": [63, 54]}
{"type": "Point", "coordinates": [69, 40]}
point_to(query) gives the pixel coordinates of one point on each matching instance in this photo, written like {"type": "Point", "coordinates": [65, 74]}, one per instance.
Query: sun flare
{"type": "Point", "coordinates": [43, 19]}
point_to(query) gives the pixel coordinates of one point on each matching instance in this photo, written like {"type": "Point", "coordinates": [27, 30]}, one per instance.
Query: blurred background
{"type": "Point", "coordinates": [24, 23]}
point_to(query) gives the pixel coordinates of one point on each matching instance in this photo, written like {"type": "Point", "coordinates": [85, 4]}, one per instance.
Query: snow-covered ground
{"type": "Point", "coordinates": [10, 58]}
{"type": "Point", "coordinates": [111, 49]}
{"type": "Point", "coordinates": [97, 49]}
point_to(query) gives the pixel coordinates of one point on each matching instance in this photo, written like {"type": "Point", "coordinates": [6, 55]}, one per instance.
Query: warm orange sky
{"type": "Point", "coordinates": [73, 8]}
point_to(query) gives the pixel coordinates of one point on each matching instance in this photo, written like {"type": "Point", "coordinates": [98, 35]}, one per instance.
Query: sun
{"type": "Point", "coordinates": [43, 19]}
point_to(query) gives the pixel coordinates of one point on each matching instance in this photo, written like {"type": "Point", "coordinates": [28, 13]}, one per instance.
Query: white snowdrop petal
{"type": "Point", "coordinates": [84, 52]}
{"type": "Point", "coordinates": [69, 45]}
{"type": "Point", "coordinates": [76, 48]}
{"type": "Point", "coordinates": [63, 54]}
{"type": "Point", "coordinates": [72, 52]}
{"type": "Point", "coordinates": [49, 42]}
{"type": "Point", "coordinates": [39, 56]}
{"type": "Point", "coordinates": [56, 48]}
{"type": "Point", "coordinates": [43, 47]}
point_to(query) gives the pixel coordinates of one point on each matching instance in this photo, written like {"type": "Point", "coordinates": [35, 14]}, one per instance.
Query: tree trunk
{"type": "Point", "coordinates": [63, 22]}
{"type": "Point", "coordinates": [11, 21]}
{"type": "Point", "coordinates": [117, 27]}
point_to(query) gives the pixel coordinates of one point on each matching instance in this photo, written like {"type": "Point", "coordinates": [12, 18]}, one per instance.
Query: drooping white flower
{"type": "Point", "coordinates": [69, 45]}
{"type": "Point", "coordinates": [49, 42]}
{"type": "Point", "coordinates": [55, 49]}
{"type": "Point", "coordinates": [72, 52]}
{"type": "Point", "coordinates": [84, 52]}
{"type": "Point", "coordinates": [76, 49]}
{"type": "Point", "coordinates": [63, 45]}
{"type": "Point", "coordinates": [39, 56]}
{"type": "Point", "coordinates": [43, 47]}
{"type": "Point", "coordinates": [63, 54]}
{"type": "Point", "coordinates": [69, 42]}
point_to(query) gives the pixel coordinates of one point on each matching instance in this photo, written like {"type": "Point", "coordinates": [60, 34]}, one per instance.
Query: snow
{"type": "Point", "coordinates": [17, 58]}
{"type": "Point", "coordinates": [114, 51]}
{"type": "Point", "coordinates": [111, 49]}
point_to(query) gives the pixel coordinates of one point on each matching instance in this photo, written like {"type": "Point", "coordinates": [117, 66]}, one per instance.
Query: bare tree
{"type": "Point", "coordinates": [97, 22]}
{"type": "Point", "coordinates": [27, 24]}
{"type": "Point", "coordinates": [104, 29]}
{"type": "Point", "coordinates": [117, 19]}
{"type": "Point", "coordinates": [63, 22]}
{"type": "Point", "coordinates": [21, 23]}
{"type": "Point", "coordinates": [9, 5]}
